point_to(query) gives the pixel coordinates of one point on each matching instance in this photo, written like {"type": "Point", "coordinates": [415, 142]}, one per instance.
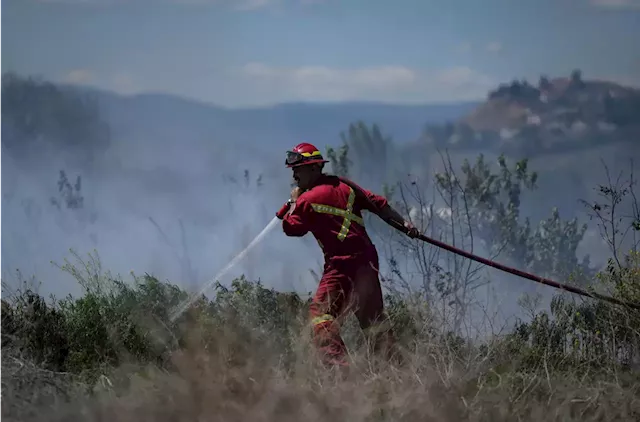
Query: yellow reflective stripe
{"type": "Point", "coordinates": [325, 209]}
{"type": "Point", "coordinates": [322, 319]}
{"type": "Point", "coordinates": [346, 223]}
{"type": "Point", "coordinates": [348, 214]}
{"type": "Point", "coordinates": [310, 154]}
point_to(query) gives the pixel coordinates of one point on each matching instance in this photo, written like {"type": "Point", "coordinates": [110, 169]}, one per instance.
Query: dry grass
{"type": "Point", "coordinates": [228, 378]}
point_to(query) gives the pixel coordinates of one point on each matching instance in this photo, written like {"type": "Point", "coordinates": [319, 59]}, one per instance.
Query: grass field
{"type": "Point", "coordinates": [245, 355]}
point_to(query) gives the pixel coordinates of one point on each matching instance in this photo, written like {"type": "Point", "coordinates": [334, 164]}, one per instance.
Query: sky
{"type": "Point", "coordinates": [239, 53]}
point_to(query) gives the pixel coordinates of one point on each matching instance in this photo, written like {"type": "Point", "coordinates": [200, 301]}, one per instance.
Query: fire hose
{"type": "Point", "coordinates": [399, 226]}
{"type": "Point", "coordinates": [515, 271]}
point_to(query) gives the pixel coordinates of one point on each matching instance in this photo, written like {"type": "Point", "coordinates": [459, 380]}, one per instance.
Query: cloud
{"type": "Point", "coordinates": [121, 82]}
{"type": "Point", "coordinates": [261, 84]}
{"type": "Point", "coordinates": [238, 5]}
{"type": "Point", "coordinates": [616, 4]}
{"type": "Point", "coordinates": [79, 76]}
{"type": "Point", "coordinates": [462, 77]}
{"type": "Point", "coordinates": [464, 47]}
{"type": "Point", "coordinates": [82, 2]}
{"type": "Point", "coordinates": [380, 83]}
{"type": "Point", "coordinates": [494, 47]}
{"type": "Point", "coordinates": [324, 82]}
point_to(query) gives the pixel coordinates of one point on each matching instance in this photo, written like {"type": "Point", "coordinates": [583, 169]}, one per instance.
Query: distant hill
{"type": "Point", "coordinates": [279, 125]}
{"type": "Point", "coordinates": [556, 114]}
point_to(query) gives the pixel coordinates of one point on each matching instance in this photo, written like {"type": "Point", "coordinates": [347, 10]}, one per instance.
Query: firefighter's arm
{"type": "Point", "coordinates": [387, 213]}
{"type": "Point", "coordinates": [374, 203]}
{"type": "Point", "coordinates": [379, 205]}
{"type": "Point", "coordinates": [295, 222]}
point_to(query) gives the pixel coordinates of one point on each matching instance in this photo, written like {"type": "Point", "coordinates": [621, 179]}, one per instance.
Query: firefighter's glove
{"type": "Point", "coordinates": [283, 211]}
{"type": "Point", "coordinates": [412, 232]}
{"type": "Point", "coordinates": [295, 193]}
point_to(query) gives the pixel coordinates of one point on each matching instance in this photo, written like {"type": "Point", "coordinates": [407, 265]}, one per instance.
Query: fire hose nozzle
{"type": "Point", "coordinates": [283, 211]}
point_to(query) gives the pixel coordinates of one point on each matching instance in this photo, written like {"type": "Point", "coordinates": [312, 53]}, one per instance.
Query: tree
{"type": "Point", "coordinates": [587, 334]}
{"type": "Point", "coordinates": [339, 160]}
{"type": "Point", "coordinates": [576, 79]}
{"type": "Point", "coordinates": [481, 207]}
{"type": "Point", "coordinates": [544, 84]}
{"type": "Point", "coordinates": [494, 201]}
{"type": "Point", "coordinates": [365, 154]}
{"type": "Point", "coordinates": [622, 111]}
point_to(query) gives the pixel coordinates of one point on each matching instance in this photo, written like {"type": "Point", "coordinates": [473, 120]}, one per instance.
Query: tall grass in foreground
{"type": "Point", "coordinates": [245, 356]}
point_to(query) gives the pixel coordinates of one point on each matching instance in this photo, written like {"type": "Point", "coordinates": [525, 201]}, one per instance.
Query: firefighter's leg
{"type": "Point", "coordinates": [326, 312]}
{"type": "Point", "coordinates": [370, 312]}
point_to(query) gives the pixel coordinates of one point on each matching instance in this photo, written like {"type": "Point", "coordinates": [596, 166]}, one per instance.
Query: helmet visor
{"type": "Point", "coordinates": [293, 158]}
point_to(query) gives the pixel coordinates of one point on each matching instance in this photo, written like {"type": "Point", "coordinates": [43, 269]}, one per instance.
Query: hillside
{"type": "Point", "coordinates": [168, 190]}
{"type": "Point", "coordinates": [279, 125]}
{"type": "Point", "coordinates": [563, 113]}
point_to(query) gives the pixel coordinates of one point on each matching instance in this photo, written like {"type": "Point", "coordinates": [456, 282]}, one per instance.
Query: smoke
{"type": "Point", "coordinates": [173, 206]}
{"type": "Point", "coordinates": [178, 197]}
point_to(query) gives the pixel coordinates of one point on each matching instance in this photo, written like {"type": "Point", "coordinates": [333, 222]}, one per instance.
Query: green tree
{"type": "Point", "coordinates": [494, 199]}
{"type": "Point", "coordinates": [576, 79]}
{"type": "Point", "coordinates": [483, 204]}
{"type": "Point", "coordinates": [365, 154]}
{"type": "Point", "coordinates": [339, 160]}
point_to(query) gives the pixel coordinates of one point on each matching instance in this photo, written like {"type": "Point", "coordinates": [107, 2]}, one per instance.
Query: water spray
{"type": "Point", "coordinates": [187, 303]}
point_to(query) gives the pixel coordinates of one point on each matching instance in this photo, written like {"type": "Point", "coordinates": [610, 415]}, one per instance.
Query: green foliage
{"type": "Point", "coordinates": [36, 328]}
{"type": "Point", "coordinates": [365, 154]}
{"type": "Point", "coordinates": [107, 327]}
{"type": "Point", "coordinates": [571, 336]}
{"type": "Point", "coordinates": [593, 335]}
{"type": "Point", "coordinates": [488, 200]}
{"type": "Point", "coordinates": [270, 317]}
{"type": "Point", "coordinates": [521, 90]}
{"type": "Point", "coordinates": [493, 199]}
{"type": "Point", "coordinates": [622, 111]}
{"type": "Point", "coordinates": [339, 160]}
{"type": "Point", "coordinates": [590, 335]}
{"type": "Point", "coordinates": [115, 322]}
{"type": "Point", "coordinates": [558, 115]}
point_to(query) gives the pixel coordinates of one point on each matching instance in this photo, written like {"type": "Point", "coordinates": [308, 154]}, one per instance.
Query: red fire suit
{"type": "Point", "coordinates": [332, 212]}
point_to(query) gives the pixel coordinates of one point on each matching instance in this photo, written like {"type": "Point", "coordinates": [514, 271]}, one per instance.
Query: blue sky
{"type": "Point", "coordinates": [256, 52]}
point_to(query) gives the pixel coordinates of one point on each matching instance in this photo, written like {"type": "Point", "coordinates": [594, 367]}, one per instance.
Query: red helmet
{"type": "Point", "coordinates": [303, 154]}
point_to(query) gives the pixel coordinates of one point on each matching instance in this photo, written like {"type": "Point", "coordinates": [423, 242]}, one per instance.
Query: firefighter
{"type": "Point", "coordinates": [331, 209]}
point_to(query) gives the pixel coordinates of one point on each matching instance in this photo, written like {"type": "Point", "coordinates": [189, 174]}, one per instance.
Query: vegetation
{"type": "Point", "coordinates": [243, 354]}
{"type": "Point", "coordinates": [557, 115]}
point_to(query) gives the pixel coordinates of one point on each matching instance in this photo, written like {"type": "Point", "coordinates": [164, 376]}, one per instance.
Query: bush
{"type": "Point", "coordinates": [115, 322]}
{"type": "Point", "coordinates": [249, 329]}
